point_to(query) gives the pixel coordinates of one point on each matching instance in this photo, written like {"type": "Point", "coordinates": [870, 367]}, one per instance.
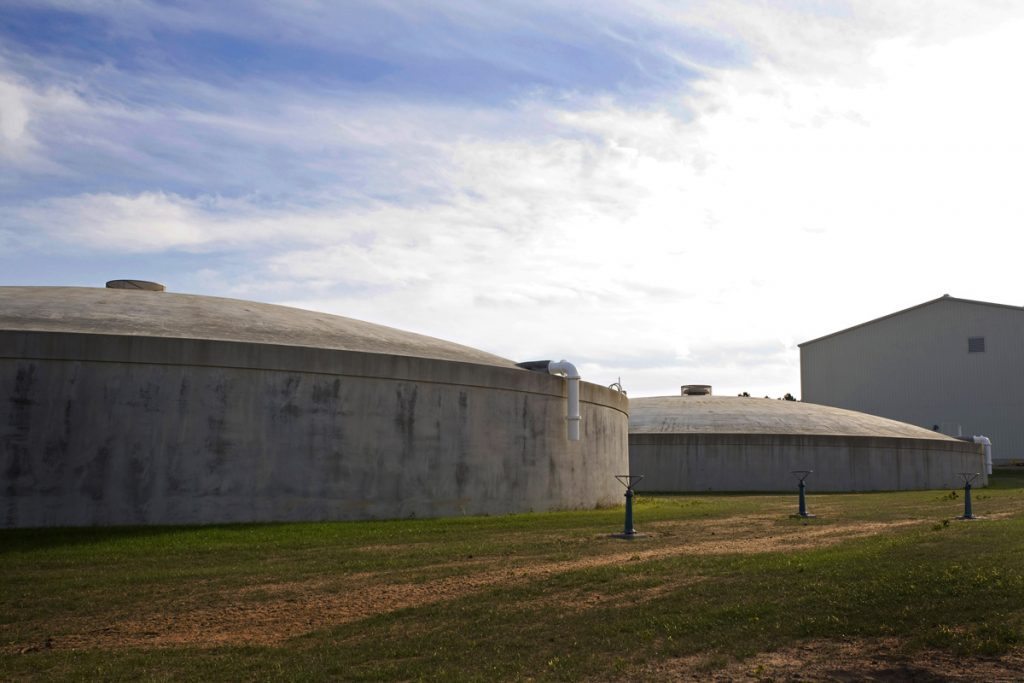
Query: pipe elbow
{"type": "Point", "coordinates": [563, 368]}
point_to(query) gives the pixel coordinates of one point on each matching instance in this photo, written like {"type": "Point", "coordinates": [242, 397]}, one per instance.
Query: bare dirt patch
{"type": "Point", "coordinates": [271, 613]}
{"type": "Point", "coordinates": [583, 600]}
{"type": "Point", "coordinates": [855, 660]}
{"type": "Point", "coordinates": [761, 534]}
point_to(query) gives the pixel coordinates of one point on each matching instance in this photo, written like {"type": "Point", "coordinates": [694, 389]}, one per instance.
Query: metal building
{"type": "Point", "coordinates": [138, 406]}
{"type": "Point", "coordinates": [950, 365]}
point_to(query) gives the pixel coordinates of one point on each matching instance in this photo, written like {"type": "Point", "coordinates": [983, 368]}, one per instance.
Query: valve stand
{"type": "Point", "coordinates": [968, 477]}
{"type": "Point", "coordinates": [801, 475]}
{"type": "Point", "coordinates": [628, 480]}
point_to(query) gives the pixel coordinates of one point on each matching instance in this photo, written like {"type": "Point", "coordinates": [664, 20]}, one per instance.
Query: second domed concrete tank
{"type": "Point", "coordinates": [706, 443]}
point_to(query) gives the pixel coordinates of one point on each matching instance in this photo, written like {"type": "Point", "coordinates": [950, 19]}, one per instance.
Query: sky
{"type": "Point", "coordinates": [661, 192]}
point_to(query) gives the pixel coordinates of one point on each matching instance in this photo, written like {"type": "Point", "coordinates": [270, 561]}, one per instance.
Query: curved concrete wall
{"type": "Point", "coordinates": [104, 429]}
{"type": "Point", "coordinates": [763, 462]}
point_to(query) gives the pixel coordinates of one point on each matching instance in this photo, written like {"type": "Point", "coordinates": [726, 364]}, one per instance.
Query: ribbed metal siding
{"type": "Point", "coordinates": [915, 367]}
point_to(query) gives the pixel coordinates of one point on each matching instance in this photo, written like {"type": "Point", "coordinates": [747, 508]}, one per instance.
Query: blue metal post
{"type": "Point", "coordinates": [628, 480]}
{"type": "Point", "coordinates": [629, 530]}
{"type": "Point", "coordinates": [801, 475]}
{"type": "Point", "coordinates": [968, 477]}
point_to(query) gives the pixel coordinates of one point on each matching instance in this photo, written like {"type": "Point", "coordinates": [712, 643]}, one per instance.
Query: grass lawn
{"type": "Point", "coordinates": [880, 584]}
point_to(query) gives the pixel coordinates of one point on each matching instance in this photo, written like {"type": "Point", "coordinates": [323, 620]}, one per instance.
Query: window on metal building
{"type": "Point", "coordinates": [975, 345]}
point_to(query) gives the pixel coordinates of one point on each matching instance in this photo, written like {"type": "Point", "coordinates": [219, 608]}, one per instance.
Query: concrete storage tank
{"type": "Point", "coordinates": [135, 406]}
{"type": "Point", "coordinates": [705, 443]}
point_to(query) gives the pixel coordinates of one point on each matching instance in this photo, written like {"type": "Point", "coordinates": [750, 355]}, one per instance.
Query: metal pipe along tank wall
{"type": "Point", "coordinates": [104, 430]}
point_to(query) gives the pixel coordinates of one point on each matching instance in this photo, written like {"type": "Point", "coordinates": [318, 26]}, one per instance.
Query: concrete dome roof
{"type": "Point", "coordinates": [83, 310]}
{"type": "Point", "coordinates": [742, 415]}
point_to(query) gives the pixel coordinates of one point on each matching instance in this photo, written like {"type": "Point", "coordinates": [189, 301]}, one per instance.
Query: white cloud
{"type": "Point", "coordinates": [146, 222]}
{"type": "Point", "coordinates": [19, 106]}
{"type": "Point", "coordinates": [13, 114]}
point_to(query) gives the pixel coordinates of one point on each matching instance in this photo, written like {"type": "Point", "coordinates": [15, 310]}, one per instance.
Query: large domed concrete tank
{"type": "Point", "coordinates": [136, 406]}
{"type": "Point", "coordinates": [705, 443]}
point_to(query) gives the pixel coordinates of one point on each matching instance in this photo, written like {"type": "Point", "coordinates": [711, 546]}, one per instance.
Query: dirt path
{"type": "Point", "coordinates": [283, 611]}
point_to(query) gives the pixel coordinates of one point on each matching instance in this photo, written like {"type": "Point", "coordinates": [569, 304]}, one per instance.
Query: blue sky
{"type": "Point", "coordinates": [666, 192]}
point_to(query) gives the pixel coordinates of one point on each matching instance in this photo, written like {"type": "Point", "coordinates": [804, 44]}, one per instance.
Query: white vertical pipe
{"type": "Point", "coordinates": [987, 443]}
{"type": "Point", "coordinates": [564, 368]}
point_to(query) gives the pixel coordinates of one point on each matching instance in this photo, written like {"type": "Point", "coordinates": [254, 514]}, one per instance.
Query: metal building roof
{"type": "Point", "coordinates": [942, 299]}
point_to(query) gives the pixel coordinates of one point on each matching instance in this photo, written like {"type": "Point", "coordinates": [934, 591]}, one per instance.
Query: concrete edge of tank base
{"type": "Point", "coordinates": [100, 348]}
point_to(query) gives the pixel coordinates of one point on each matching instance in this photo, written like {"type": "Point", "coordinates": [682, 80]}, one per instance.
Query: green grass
{"type": "Point", "coordinates": [896, 566]}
